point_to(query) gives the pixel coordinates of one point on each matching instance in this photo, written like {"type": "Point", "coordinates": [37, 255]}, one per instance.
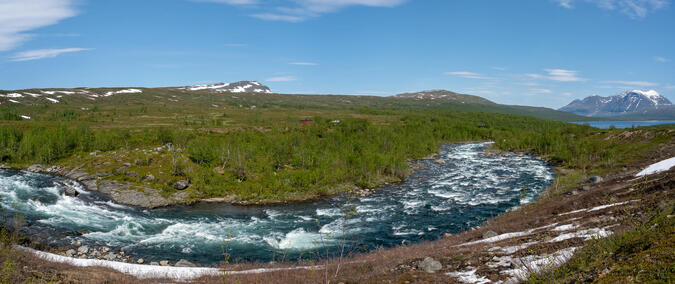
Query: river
{"type": "Point", "coordinates": [460, 190]}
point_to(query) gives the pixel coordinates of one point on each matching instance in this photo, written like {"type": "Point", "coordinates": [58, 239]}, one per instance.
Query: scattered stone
{"type": "Point", "coordinates": [127, 164]}
{"type": "Point", "coordinates": [70, 253]}
{"type": "Point", "coordinates": [447, 235]}
{"type": "Point", "coordinates": [103, 174]}
{"type": "Point", "coordinates": [140, 261]}
{"type": "Point", "coordinates": [94, 153]}
{"type": "Point", "coordinates": [35, 168]}
{"type": "Point", "coordinates": [181, 184]}
{"type": "Point", "coordinates": [148, 177]}
{"type": "Point", "coordinates": [132, 174]}
{"type": "Point", "coordinates": [430, 265]}
{"type": "Point", "coordinates": [110, 256]}
{"type": "Point", "coordinates": [105, 249]}
{"type": "Point", "coordinates": [595, 179]}
{"type": "Point", "coordinates": [77, 243]}
{"type": "Point", "coordinates": [185, 263]}
{"type": "Point", "coordinates": [489, 234]}
{"type": "Point", "coordinates": [154, 263]}
{"type": "Point", "coordinates": [585, 188]}
{"type": "Point", "coordinates": [83, 250]}
{"type": "Point", "coordinates": [164, 263]}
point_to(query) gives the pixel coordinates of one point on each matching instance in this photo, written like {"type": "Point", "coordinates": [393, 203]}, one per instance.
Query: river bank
{"type": "Point", "coordinates": [458, 190]}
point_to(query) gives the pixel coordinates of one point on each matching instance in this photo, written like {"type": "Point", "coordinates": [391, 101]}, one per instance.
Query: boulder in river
{"type": "Point", "coordinates": [140, 261]}
{"type": "Point", "coordinates": [164, 263]}
{"type": "Point", "coordinates": [70, 191]}
{"type": "Point", "coordinates": [430, 265]}
{"type": "Point", "coordinates": [181, 184]}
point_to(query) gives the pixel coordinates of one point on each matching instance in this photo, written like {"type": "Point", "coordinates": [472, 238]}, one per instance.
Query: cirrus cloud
{"type": "Point", "coordinates": [295, 11]}
{"type": "Point", "coordinates": [636, 9]}
{"type": "Point", "coordinates": [559, 75]}
{"type": "Point", "coordinates": [18, 17]}
{"type": "Point", "coordinates": [44, 53]}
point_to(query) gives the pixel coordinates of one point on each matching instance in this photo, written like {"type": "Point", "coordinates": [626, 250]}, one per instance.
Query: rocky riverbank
{"type": "Point", "coordinates": [121, 193]}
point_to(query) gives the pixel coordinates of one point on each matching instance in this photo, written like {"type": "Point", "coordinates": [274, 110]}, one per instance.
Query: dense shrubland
{"type": "Point", "coordinates": [286, 160]}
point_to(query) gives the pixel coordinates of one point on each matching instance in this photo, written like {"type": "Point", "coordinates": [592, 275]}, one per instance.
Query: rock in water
{"type": "Point", "coordinates": [70, 191]}
{"type": "Point", "coordinates": [430, 265]}
{"type": "Point", "coordinates": [164, 263]}
{"type": "Point", "coordinates": [185, 263]}
{"type": "Point", "coordinates": [181, 184]}
{"type": "Point", "coordinates": [140, 261]}
{"type": "Point", "coordinates": [489, 234]}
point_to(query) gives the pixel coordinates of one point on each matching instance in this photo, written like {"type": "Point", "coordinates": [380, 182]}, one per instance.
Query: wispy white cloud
{"type": "Point", "coordinates": [540, 91]}
{"type": "Point", "coordinates": [304, 63]}
{"type": "Point", "coordinates": [17, 17]}
{"type": "Point", "coordinates": [295, 11]}
{"type": "Point", "coordinates": [670, 87]}
{"type": "Point", "coordinates": [661, 59]}
{"type": "Point", "coordinates": [498, 68]}
{"type": "Point", "coordinates": [632, 83]}
{"type": "Point", "coordinates": [282, 79]}
{"type": "Point", "coordinates": [468, 75]}
{"type": "Point", "coordinates": [559, 75]}
{"type": "Point", "coordinates": [567, 94]}
{"type": "Point", "coordinates": [636, 9]}
{"type": "Point", "coordinates": [44, 53]}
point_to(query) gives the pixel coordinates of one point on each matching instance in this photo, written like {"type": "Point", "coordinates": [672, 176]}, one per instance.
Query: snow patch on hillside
{"type": "Point", "coordinates": [661, 166]}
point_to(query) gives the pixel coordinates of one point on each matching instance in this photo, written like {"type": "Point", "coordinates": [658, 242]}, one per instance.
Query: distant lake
{"type": "Point", "coordinates": [624, 124]}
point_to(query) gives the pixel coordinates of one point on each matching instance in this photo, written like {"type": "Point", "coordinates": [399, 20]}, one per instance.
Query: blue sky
{"type": "Point", "coordinates": [527, 52]}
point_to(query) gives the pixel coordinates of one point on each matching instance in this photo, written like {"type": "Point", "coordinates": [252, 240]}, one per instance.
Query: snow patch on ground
{"type": "Point", "coordinates": [596, 208]}
{"type": "Point", "coordinates": [153, 271]}
{"type": "Point", "coordinates": [25, 117]}
{"type": "Point", "coordinates": [52, 100]}
{"type": "Point", "coordinates": [588, 234]}
{"type": "Point", "coordinates": [566, 227]}
{"type": "Point", "coordinates": [661, 166]}
{"type": "Point", "coordinates": [127, 91]}
{"type": "Point", "coordinates": [537, 263]}
{"type": "Point", "coordinates": [468, 277]}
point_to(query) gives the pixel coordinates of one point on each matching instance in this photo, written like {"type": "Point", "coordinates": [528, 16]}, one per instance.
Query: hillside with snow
{"type": "Point", "coordinates": [633, 104]}
{"type": "Point", "coordinates": [236, 87]}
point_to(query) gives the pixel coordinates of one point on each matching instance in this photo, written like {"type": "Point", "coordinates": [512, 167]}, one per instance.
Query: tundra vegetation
{"type": "Point", "coordinates": [226, 147]}
{"type": "Point", "coordinates": [252, 148]}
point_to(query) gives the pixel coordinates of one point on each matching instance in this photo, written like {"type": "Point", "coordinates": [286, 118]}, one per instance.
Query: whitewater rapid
{"type": "Point", "coordinates": [460, 190]}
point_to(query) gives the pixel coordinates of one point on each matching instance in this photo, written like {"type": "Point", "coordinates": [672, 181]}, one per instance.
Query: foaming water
{"type": "Point", "coordinates": [462, 192]}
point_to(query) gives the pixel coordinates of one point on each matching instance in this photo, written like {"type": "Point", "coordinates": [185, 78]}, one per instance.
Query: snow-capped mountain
{"type": "Point", "coordinates": [237, 87]}
{"type": "Point", "coordinates": [632, 102]}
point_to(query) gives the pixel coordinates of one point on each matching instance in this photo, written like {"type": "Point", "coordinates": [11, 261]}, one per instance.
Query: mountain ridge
{"type": "Point", "coordinates": [635, 103]}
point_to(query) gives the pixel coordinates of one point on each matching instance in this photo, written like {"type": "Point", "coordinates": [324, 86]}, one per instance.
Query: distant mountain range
{"type": "Point", "coordinates": [228, 95]}
{"type": "Point", "coordinates": [633, 104]}
{"type": "Point", "coordinates": [237, 87]}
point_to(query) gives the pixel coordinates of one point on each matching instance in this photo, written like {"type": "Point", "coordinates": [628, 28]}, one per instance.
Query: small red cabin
{"type": "Point", "coordinates": [306, 122]}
